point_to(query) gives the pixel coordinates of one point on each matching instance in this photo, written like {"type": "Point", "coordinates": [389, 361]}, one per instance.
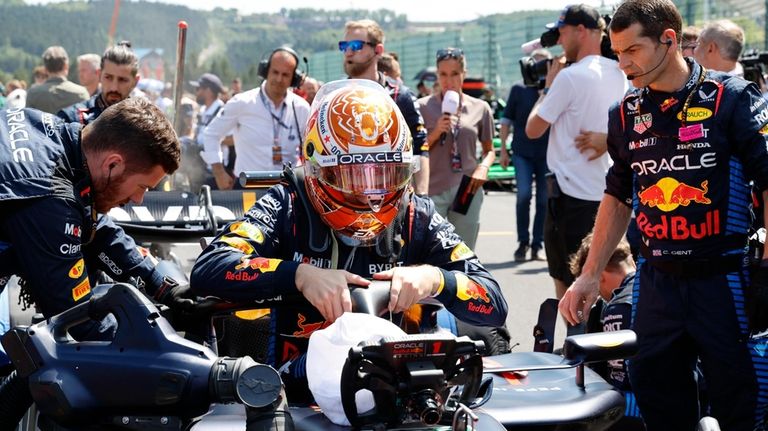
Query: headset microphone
{"type": "Point", "coordinates": [666, 42]}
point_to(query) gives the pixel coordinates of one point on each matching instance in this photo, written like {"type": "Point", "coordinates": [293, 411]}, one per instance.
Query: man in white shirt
{"type": "Point", "coordinates": [267, 123]}
{"type": "Point", "coordinates": [574, 99]}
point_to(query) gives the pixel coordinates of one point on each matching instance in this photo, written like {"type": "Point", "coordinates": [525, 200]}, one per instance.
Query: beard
{"type": "Point", "coordinates": [105, 194]}
{"type": "Point", "coordinates": [113, 97]}
{"type": "Point", "coordinates": [356, 69]}
{"type": "Point", "coordinates": [200, 100]}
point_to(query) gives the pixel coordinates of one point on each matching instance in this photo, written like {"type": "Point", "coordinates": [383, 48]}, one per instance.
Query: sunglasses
{"type": "Point", "coordinates": [354, 45]}
{"type": "Point", "coordinates": [456, 53]}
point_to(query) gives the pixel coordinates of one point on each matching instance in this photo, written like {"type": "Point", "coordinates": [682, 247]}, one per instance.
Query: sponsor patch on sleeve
{"type": "Point", "coordinates": [77, 269]}
{"type": "Point", "coordinates": [467, 289]}
{"type": "Point", "coordinates": [238, 243]}
{"type": "Point", "coordinates": [461, 252]}
{"type": "Point", "coordinates": [247, 230]}
{"type": "Point", "coordinates": [260, 264]}
{"type": "Point", "coordinates": [83, 288]}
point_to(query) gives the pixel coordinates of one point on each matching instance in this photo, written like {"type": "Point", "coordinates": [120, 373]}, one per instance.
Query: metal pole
{"type": "Point", "coordinates": [178, 89]}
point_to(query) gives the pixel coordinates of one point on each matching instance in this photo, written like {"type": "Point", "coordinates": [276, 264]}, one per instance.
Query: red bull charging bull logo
{"type": "Point", "coordinates": [467, 289]}
{"type": "Point", "coordinates": [668, 193]}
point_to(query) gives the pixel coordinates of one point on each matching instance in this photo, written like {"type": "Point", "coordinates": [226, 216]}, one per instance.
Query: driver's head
{"type": "Point", "coordinates": [357, 158]}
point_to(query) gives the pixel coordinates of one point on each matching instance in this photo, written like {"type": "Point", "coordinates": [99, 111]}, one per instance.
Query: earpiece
{"type": "Point", "coordinates": [112, 166]}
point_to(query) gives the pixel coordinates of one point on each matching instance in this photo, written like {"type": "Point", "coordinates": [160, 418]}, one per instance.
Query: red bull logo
{"type": "Point", "coordinates": [260, 264]}
{"type": "Point", "coordinates": [305, 330]}
{"type": "Point", "coordinates": [467, 289]}
{"type": "Point", "coordinates": [679, 227]}
{"type": "Point", "coordinates": [668, 193]}
{"type": "Point", "coordinates": [668, 103]}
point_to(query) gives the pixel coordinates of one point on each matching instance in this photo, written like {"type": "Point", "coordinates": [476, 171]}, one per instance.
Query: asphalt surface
{"type": "Point", "coordinates": [525, 284]}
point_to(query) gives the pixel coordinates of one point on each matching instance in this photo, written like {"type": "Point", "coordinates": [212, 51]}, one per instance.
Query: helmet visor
{"type": "Point", "coordinates": [366, 178]}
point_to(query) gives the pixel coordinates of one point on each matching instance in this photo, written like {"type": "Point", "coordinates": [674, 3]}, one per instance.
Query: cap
{"type": "Point", "coordinates": [578, 14]}
{"type": "Point", "coordinates": [208, 80]}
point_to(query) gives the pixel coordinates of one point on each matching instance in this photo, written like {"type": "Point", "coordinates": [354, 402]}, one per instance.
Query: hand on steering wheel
{"type": "Point", "coordinates": [327, 289]}
{"type": "Point", "coordinates": [410, 284]}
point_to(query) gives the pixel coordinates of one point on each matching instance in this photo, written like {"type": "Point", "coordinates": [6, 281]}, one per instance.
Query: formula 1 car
{"type": "Point", "coordinates": [150, 377]}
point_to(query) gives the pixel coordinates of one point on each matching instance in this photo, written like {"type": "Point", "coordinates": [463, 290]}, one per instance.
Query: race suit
{"type": "Point", "coordinates": [256, 258]}
{"type": "Point", "coordinates": [50, 236]}
{"type": "Point", "coordinates": [84, 112]}
{"type": "Point", "coordinates": [615, 315]}
{"type": "Point", "coordinates": [685, 173]}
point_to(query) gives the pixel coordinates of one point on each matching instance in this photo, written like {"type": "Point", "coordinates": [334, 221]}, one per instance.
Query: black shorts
{"type": "Point", "coordinates": [567, 222]}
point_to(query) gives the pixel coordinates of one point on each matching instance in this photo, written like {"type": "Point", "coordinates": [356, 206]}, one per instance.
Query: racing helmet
{"type": "Point", "coordinates": [357, 158]}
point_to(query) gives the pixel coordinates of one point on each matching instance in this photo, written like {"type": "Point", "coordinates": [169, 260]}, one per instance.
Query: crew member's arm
{"type": "Point", "coordinates": [115, 253]}
{"type": "Point", "coordinates": [47, 235]}
{"type": "Point", "coordinates": [553, 100]}
{"type": "Point", "coordinates": [610, 225]}
{"type": "Point", "coordinates": [242, 263]}
{"type": "Point", "coordinates": [749, 134]}
{"type": "Point", "coordinates": [452, 274]}
{"type": "Point", "coordinates": [214, 132]}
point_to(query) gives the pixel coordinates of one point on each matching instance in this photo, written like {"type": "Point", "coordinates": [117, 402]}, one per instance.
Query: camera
{"type": "Point", "coordinates": [535, 72]}
{"type": "Point", "coordinates": [755, 64]}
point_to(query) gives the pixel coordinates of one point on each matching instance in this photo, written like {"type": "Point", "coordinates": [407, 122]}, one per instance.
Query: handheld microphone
{"type": "Point", "coordinates": [668, 43]}
{"type": "Point", "coordinates": [450, 107]}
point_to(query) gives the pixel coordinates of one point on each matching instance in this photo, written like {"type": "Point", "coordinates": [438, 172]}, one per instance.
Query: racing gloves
{"type": "Point", "coordinates": [173, 294]}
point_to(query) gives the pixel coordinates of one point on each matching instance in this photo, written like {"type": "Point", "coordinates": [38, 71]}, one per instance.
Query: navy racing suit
{"type": "Point", "coordinates": [84, 112]}
{"type": "Point", "coordinates": [256, 258]}
{"type": "Point", "coordinates": [609, 316]}
{"type": "Point", "coordinates": [49, 234]}
{"type": "Point", "coordinates": [686, 173]}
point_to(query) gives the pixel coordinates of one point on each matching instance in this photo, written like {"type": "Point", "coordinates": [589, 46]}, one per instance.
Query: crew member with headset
{"type": "Point", "coordinates": [267, 123]}
{"type": "Point", "coordinates": [685, 145]}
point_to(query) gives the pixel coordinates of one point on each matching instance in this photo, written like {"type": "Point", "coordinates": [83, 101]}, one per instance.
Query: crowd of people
{"type": "Point", "coordinates": [642, 167]}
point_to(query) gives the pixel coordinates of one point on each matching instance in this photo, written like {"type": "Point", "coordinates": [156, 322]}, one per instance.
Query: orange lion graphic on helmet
{"type": "Point", "coordinates": [357, 158]}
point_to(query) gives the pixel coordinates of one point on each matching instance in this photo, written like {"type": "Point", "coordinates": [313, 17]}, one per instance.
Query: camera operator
{"type": "Point", "coordinates": [573, 100]}
{"type": "Point", "coordinates": [529, 157]}
{"type": "Point", "coordinates": [719, 47]}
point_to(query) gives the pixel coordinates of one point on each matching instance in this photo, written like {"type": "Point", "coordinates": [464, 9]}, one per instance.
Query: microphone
{"type": "Point", "coordinates": [632, 77]}
{"type": "Point", "coordinates": [531, 45]}
{"type": "Point", "coordinates": [450, 107]}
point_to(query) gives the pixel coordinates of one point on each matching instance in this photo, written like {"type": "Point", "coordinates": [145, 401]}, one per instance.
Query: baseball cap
{"type": "Point", "coordinates": [208, 80]}
{"type": "Point", "coordinates": [578, 14]}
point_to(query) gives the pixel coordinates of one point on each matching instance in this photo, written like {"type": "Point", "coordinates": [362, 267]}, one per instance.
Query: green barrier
{"type": "Point", "coordinates": [498, 173]}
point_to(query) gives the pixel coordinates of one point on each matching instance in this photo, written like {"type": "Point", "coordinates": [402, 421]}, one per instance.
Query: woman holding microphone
{"type": "Point", "coordinates": [457, 123]}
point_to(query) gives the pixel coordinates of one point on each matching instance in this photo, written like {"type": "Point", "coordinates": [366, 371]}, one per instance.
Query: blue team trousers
{"type": "Point", "coordinates": [679, 319]}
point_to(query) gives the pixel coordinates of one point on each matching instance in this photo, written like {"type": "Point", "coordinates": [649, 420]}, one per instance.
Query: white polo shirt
{"type": "Point", "coordinates": [578, 100]}
{"type": "Point", "coordinates": [247, 116]}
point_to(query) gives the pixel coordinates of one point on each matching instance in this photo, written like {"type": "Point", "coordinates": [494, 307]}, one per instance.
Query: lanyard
{"type": "Point", "coordinates": [277, 121]}
{"type": "Point", "coordinates": [684, 114]}
{"type": "Point", "coordinates": [686, 104]}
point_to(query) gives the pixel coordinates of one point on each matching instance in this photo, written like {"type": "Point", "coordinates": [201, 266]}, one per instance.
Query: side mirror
{"type": "Point", "coordinates": [602, 346]}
